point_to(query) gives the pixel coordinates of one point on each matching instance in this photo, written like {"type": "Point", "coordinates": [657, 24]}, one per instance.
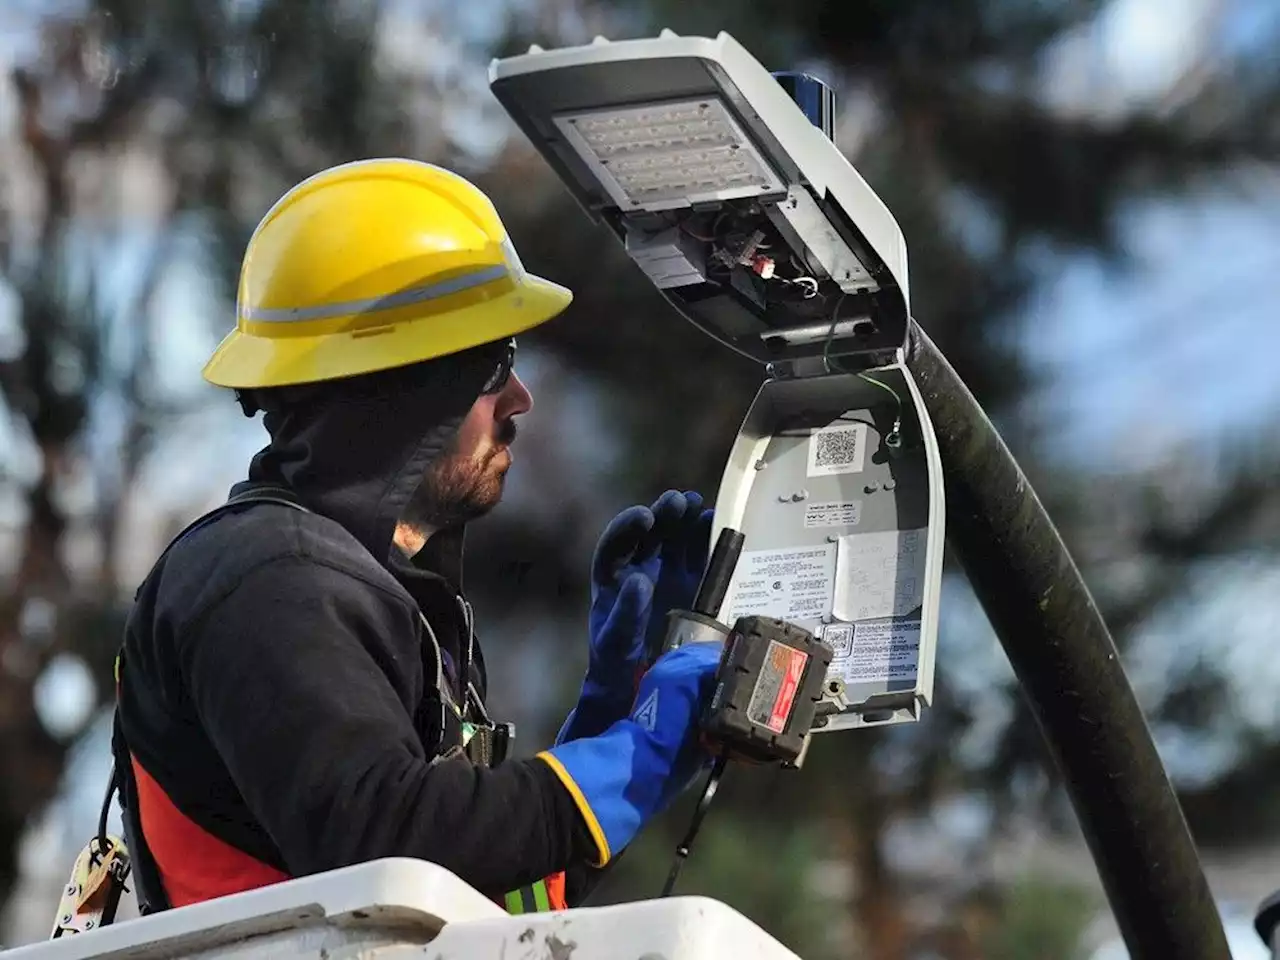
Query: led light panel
{"type": "Point", "coordinates": [662, 156]}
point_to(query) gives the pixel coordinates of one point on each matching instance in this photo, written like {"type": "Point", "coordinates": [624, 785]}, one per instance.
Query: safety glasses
{"type": "Point", "coordinates": [502, 372]}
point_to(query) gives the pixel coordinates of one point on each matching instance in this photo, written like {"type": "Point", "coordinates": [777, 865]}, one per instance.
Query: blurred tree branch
{"type": "Point", "coordinates": [228, 108]}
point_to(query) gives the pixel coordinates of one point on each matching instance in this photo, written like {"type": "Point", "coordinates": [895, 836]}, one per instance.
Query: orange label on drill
{"type": "Point", "coordinates": [776, 688]}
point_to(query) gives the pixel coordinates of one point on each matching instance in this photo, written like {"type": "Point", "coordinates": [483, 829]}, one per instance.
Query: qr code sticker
{"type": "Point", "coordinates": [839, 637]}
{"type": "Point", "coordinates": [836, 449]}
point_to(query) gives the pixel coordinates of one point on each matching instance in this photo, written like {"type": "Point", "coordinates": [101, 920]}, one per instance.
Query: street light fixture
{"type": "Point", "coordinates": [723, 184]}
{"type": "Point", "coordinates": [721, 189]}
{"type": "Point", "coordinates": [738, 206]}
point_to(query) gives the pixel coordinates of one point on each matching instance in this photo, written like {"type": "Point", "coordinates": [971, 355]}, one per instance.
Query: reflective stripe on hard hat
{"type": "Point", "coordinates": [371, 265]}
{"type": "Point", "coordinates": [404, 298]}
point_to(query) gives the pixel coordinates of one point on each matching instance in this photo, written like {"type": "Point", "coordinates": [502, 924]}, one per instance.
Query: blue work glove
{"type": "Point", "coordinates": [646, 557]}
{"type": "Point", "coordinates": [682, 533]}
{"type": "Point", "coordinates": [630, 773]}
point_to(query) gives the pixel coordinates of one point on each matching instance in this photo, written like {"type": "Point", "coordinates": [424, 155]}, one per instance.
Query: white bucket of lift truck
{"type": "Point", "coordinates": [397, 907]}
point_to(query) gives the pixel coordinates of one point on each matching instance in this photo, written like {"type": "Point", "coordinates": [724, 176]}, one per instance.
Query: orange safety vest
{"type": "Point", "coordinates": [195, 866]}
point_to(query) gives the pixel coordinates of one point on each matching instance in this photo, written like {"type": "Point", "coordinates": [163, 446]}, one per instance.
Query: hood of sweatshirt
{"type": "Point", "coordinates": [356, 450]}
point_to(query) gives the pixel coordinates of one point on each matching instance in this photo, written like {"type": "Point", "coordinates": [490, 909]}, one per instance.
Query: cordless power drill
{"type": "Point", "coordinates": [767, 689]}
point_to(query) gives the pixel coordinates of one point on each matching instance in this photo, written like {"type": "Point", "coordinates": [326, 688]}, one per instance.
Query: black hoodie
{"type": "Point", "coordinates": [277, 685]}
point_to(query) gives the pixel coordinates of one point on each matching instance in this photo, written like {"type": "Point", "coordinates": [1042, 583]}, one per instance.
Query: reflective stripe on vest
{"type": "Point", "coordinates": [540, 897]}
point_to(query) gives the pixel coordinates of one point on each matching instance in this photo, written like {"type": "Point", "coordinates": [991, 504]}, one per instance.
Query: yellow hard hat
{"type": "Point", "coordinates": [371, 265]}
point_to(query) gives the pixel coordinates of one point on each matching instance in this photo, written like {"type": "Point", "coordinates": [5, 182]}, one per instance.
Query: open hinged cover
{"type": "Point", "coordinates": [756, 228]}
{"type": "Point", "coordinates": [836, 485]}
{"type": "Point", "coordinates": [744, 214]}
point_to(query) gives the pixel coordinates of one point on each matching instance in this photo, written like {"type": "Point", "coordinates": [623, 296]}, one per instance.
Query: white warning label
{"type": "Point", "coordinates": [833, 514]}
{"type": "Point", "coordinates": [838, 448]}
{"type": "Point", "coordinates": [885, 652]}
{"type": "Point", "coordinates": [795, 584]}
{"type": "Point", "coordinates": [880, 574]}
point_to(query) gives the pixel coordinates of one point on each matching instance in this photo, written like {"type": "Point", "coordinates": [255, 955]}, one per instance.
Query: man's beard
{"type": "Point", "coordinates": [458, 488]}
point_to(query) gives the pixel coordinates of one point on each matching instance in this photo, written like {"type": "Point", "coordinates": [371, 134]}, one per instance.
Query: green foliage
{"type": "Point", "coordinates": [765, 870]}
{"type": "Point", "coordinates": [1040, 919]}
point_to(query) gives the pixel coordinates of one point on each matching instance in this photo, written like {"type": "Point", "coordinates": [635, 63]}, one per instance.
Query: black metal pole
{"type": "Point", "coordinates": [1066, 662]}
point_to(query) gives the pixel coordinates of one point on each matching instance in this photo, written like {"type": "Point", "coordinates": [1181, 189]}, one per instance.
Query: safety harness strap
{"type": "Point", "coordinates": [150, 890]}
{"type": "Point", "coordinates": [485, 742]}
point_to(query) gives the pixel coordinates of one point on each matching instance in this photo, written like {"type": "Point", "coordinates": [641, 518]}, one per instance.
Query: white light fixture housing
{"type": "Point", "coordinates": [686, 147]}
{"type": "Point", "coordinates": [753, 225]}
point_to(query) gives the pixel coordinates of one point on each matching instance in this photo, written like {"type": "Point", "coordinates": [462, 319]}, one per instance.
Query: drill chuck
{"type": "Point", "coordinates": [685, 626]}
{"type": "Point", "coordinates": [700, 625]}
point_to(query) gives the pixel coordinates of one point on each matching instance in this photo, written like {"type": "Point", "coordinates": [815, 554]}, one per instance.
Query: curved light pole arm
{"type": "Point", "coordinates": [1069, 670]}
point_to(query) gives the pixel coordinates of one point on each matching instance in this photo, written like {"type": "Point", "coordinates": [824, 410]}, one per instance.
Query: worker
{"type": "Point", "coordinates": [300, 687]}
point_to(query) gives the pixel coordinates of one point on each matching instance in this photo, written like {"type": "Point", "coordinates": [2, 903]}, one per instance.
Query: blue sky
{"type": "Point", "coordinates": [1181, 346]}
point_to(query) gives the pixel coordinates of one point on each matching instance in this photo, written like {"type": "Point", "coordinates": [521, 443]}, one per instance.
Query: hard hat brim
{"type": "Point", "coordinates": [244, 361]}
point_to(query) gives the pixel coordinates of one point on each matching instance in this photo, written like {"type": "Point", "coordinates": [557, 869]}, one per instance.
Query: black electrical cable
{"type": "Point", "coordinates": [704, 804]}
{"type": "Point", "coordinates": [103, 843]}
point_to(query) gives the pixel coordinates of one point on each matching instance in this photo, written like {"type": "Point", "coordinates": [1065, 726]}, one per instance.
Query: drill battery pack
{"type": "Point", "coordinates": [768, 688]}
